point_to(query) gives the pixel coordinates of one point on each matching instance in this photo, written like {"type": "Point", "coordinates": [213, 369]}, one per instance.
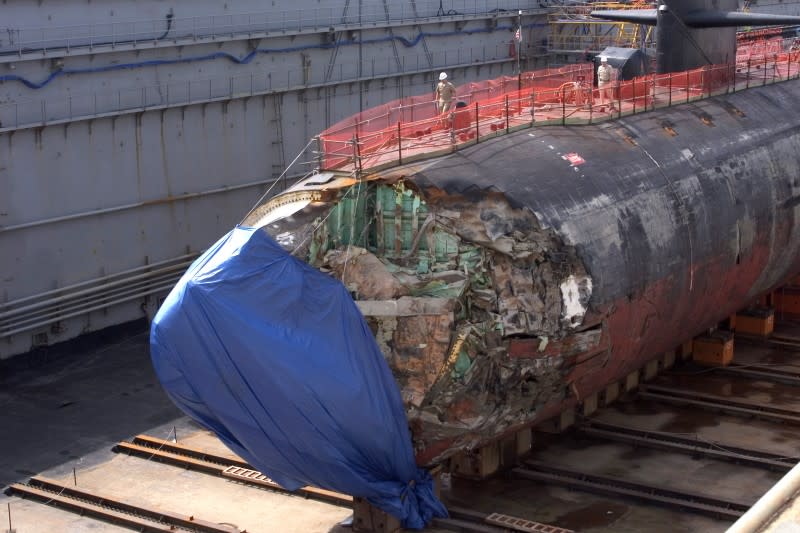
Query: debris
{"type": "Point", "coordinates": [474, 305]}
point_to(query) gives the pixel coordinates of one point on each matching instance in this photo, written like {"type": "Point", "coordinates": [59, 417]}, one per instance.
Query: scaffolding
{"type": "Point", "coordinates": [573, 30]}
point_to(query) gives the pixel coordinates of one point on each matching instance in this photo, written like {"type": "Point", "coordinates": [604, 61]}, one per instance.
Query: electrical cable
{"type": "Point", "coordinates": [250, 56]}
{"type": "Point", "coordinates": [169, 26]}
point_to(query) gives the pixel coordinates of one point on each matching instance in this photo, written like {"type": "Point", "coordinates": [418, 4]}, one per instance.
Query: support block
{"type": "Point", "coordinates": [369, 519]}
{"type": "Point", "coordinates": [632, 381]}
{"type": "Point", "coordinates": [759, 321]}
{"type": "Point", "coordinates": [512, 447]}
{"type": "Point", "coordinates": [668, 359]}
{"type": "Point", "coordinates": [524, 441]}
{"type": "Point", "coordinates": [650, 370]}
{"type": "Point", "coordinates": [685, 350]}
{"type": "Point", "coordinates": [478, 464]}
{"type": "Point", "coordinates": [436, 473]}
{"type": "Point", "coordinates": [589, 405]}
{"type": "Point", "coordinates": [559, 423]}
{"type": "Point", "coordinates": [611, 393]}
{"type": "Point", "coordinates": [715, 349]}
{"type": "Point", "coordinates": [787, 301]}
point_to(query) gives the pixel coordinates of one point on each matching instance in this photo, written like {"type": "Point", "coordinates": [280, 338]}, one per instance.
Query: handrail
{"type": "Point", "coordinates": [503, 105]}
{"type": "Point", "coordinates": [20, 40]}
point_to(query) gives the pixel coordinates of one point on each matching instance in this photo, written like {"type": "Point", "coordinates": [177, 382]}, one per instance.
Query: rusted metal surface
{"type": "Point", "coordinates": [103, 507]}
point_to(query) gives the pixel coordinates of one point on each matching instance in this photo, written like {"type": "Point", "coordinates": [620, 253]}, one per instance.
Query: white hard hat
{"type": "Point", "coordinates": [443, 76]}
{"type": "Point", "coordinates": [603, 59]}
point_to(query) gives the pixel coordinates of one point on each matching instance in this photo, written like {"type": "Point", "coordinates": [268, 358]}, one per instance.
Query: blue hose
{"type": "Point", "coordinates": [249, 57]}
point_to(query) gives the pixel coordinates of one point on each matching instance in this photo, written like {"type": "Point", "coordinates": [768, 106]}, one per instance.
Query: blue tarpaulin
{"type": "Point", "coordinates": [275, 358]}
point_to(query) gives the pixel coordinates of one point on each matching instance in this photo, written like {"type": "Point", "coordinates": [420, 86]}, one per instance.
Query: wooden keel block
{"type": "Point", "coordinates": [715, 349]}
{"type": "Point", "coordinates": [436, 474]}
{"type": "Point", "coordinates": [524, 441]}
{"type": "Point", "coordinates": [558, 423]}
{"type": "Point", "coordinates": [632, 381]}
{"type": "Point", "coordinates": [369, 519]}
{"type": "Point", "coordinates": [668, 359]}
{"type": "Point", "coordinates": [685, 350]}
{"type": "Point", "coordinates": [650, 370]}
{"type": "Point", "coordinates": [611, 393]}
{"type": "Point", "coordinates": [589, 405]}
{"type": "Point", "coordinates": [477, 464]}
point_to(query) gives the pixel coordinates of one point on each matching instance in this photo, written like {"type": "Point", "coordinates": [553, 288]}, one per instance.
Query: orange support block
{"type": "Point", "coordinates": [758, 321]}
{"type": "Point", "coordinates": [715, 349]}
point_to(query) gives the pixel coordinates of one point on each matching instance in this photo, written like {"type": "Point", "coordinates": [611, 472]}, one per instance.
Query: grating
{"type": "Point", "coordinates": [520, 524]}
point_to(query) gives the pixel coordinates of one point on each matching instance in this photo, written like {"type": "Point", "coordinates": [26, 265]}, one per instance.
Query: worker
{"type": "Point", "coordinates": [606, 78]}
{"type": "Point", "coordinates": [445, 94]}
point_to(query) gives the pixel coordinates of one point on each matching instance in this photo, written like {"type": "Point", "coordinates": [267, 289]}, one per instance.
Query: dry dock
{"type": "Point", "coordinates": [688, 450]}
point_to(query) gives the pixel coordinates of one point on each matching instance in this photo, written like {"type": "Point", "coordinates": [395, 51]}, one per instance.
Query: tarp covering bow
{"type": "Point", "coordinates": [275, 358]}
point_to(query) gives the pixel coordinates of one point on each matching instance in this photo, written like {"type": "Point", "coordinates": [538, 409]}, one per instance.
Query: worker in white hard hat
{"type": "Point", "coordinates": [445, 94]}
{"type": "Point", "coordinates": [606, 78]}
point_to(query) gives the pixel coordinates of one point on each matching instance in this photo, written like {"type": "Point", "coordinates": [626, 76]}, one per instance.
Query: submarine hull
{"type": "Point", "coordinates": [677, 227]}
{"type": "Point", "coordinates": [509, 280]}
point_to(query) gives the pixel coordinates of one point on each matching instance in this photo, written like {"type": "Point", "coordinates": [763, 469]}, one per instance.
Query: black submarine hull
{"type": "Point", "coordinates": [680, 216]}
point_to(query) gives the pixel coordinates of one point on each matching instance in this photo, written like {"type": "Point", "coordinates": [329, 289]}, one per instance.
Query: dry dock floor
{"type": "Point", "coordinates": [67, 410]}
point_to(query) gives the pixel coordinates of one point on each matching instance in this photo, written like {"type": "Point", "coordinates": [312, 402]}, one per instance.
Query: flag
{"type": "Point", "coordinates": [518, 35]}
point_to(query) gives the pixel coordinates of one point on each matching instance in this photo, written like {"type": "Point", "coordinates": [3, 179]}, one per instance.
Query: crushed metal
{"type": "Point", "coordinates": [477, 309]}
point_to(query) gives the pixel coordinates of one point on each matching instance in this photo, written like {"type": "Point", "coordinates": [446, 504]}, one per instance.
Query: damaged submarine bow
{"type": "Point", "coordinates": [504, 283]}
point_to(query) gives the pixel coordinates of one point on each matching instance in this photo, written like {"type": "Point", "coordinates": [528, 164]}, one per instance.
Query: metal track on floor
{"type": "Point", "coordinates": [691, 446]}
{"type": "Point", "coordinates": [237, 470]}
{"type": "Point", "coordinates": [763, 373]}
{"type": "Point", "coordinates": [228, 467]}
{"type": "Point", "coordinates": [462, 519]}
{"type": "Point", "coordinates": [684, 500]}
{"type": "Point", "coordinates": [788, 343]}
{"type": "Point", "coordinates": [108, 509]}
{"type": "Point", "coordinates": [723, 404]}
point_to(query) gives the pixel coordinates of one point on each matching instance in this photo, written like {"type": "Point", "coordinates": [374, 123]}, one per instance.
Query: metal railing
{"type": "Point", "coordinates": [47, 308]}
{"type": "Point", "coordinates": [41, 111]}
{"type": "Point", "coordinates": [21, 40]}
{"type": "Point", "coordinates": [390, 138]}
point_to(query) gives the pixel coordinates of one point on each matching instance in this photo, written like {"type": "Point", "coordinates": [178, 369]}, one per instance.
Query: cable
{"type": "Point", "coordinates": [169, 25]}
{"type": "Point", "coordinates": [249, 57]}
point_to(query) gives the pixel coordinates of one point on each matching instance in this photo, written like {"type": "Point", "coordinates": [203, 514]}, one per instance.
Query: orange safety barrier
{"type": "Point", "coordinates": [416, 117]}
{"type": "Point", "coordinates": [412, 126]}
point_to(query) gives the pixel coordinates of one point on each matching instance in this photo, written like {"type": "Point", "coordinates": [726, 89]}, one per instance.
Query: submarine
{"type": "Point", "coordinates": [505, 281]}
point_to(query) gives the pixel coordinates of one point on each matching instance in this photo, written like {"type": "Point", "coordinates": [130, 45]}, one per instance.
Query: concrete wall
{"type": "Point", "coordinates": [87, 199]}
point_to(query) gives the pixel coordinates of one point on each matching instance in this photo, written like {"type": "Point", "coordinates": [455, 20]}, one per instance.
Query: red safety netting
{"type": "Point", "coordinates": [409, 128]}
{"type": "Point", "coordinates": [416, 117]}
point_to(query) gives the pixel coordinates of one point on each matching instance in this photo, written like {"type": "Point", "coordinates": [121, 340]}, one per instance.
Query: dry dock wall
{"type": "Point", "coordinates": [105, 172]}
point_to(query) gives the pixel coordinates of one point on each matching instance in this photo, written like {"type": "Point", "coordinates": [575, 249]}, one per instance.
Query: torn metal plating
{"type": "Point", "coordinates": [476, 307]}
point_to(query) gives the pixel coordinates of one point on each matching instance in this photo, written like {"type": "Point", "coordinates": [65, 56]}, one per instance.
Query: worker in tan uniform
{"type": "Point", "coordinates": [445, 94]}
{"type": "Point", "coordinates": [605, 82]}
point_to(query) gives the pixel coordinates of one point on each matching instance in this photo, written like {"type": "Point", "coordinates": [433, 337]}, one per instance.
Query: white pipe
{"type": "Point", "coordinates": [106, 287]}
{"type": "Point", "coordinates": [13, 303]}
{"type": "Point", "coordinates": [125, 207]}
{"type": "Point", "coordinates": [766, 506]}
{"type": "Point", "coordinates": [89, 310]}
{"type": "Point", "coordinates": [105, 297]}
